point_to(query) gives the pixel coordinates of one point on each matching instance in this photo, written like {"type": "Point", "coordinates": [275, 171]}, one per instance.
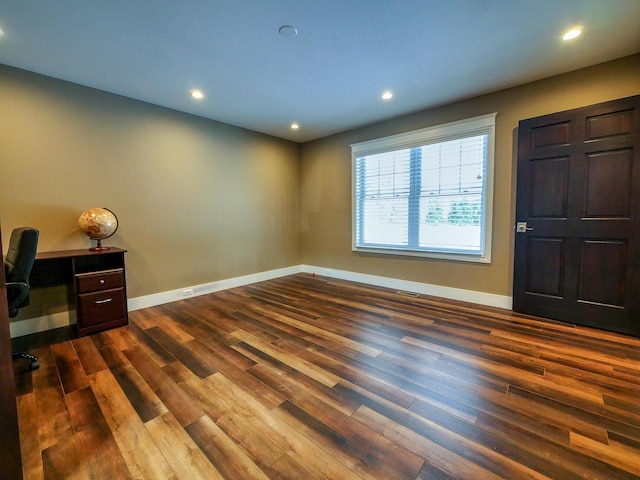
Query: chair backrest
{"type": "Point", "coordinates": [21, 254]}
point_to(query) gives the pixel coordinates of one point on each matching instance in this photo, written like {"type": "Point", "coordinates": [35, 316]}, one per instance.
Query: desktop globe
{"type": "Point", "coordinates": [98, 224]}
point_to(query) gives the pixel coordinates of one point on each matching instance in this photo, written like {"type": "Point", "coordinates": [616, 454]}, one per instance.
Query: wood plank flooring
{"type": "Point", "coordinates": [307, 377]}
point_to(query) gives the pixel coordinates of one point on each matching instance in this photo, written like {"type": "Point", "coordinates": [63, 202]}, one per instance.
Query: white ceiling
{"type": "Point", "coordinates": [329, 77]}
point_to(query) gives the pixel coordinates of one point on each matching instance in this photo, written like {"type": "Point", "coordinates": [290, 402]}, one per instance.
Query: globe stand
{"type": "Point", "coordinates": [98, 247]}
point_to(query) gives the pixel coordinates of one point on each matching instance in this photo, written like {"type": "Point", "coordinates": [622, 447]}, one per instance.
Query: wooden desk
{"type": "Point", "coordinates": [97, 285]}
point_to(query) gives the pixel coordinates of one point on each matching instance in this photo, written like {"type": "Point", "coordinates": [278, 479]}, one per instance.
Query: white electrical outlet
{"type": "Point", "coordinates": [187, 292]}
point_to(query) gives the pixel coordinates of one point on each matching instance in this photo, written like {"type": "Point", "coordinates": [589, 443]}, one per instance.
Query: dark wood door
{"type": "Point", "coordinates": [577, 252]}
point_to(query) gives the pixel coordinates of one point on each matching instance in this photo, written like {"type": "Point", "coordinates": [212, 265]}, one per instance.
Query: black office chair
{"type": "Point", "coordinates": [17, 267]}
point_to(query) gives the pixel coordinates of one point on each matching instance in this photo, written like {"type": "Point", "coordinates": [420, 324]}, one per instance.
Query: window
{"type": "Point", "coordinates": [427, 193]}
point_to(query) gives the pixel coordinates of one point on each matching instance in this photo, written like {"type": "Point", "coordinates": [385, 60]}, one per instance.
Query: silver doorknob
{"type": "Point", "coordinates": [521, 227]}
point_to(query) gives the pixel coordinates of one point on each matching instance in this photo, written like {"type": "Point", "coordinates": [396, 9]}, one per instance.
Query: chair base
{"type": "Point", "coordinates": [34, 364]}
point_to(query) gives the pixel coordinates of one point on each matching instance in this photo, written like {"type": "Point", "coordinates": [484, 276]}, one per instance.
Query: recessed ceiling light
{"type": "Point", "coordinates": [197, 94]}
{"type": "Point", "coordinates": [287, 31]}
{"type": "Point", "coordinates": [295, 126]}
{"type": "Point", "coordinates": [387, 95]}
{"type": "Point", "coordinates": [573, 33]}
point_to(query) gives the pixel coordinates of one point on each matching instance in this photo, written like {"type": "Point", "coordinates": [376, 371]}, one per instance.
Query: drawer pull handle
{"type": "Point", "coordinates": [101, 282]}
{"type": "Point", "coordinates": [103, 301]}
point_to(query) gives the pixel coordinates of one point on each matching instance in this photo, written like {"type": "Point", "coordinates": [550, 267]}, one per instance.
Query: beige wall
{"type": "Point", "coordinates": [197, 200]}
{"type": "Point", "coordinates": [326, 177]}
{"type": "Point", "coordinates": [200, 201]}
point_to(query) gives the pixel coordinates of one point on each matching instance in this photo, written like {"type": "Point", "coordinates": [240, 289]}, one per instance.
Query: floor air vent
{"type": "Point", "coordinates": [408, 294]}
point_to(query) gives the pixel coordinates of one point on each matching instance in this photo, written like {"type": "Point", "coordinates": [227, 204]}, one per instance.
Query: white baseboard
{"type": "Point", "coordinates": [175, 295]}
{"type": "Point", "coordinates": [64, 319]}
{"type": "Point", "coordinates": [481, 298]}
{"type": "Point", "coordinates": [42, 324]}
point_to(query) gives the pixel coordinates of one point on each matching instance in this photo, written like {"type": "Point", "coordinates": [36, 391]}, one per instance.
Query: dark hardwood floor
{"type": "Point", "coordinates": [314, 378]}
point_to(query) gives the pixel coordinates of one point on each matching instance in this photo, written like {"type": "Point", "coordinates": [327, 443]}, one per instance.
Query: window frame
{"type": "Point", "coordinates": [480, 125]}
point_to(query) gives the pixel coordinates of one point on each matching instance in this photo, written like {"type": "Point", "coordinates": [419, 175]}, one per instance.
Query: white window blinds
{"type": "Point", "coordinates": [430, 197]}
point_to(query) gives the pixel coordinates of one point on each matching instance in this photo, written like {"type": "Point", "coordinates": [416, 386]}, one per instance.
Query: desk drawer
{"type": "Point", "coordinates": [103, 280]}
{"type": "Point", "coordinates": [101, 307]}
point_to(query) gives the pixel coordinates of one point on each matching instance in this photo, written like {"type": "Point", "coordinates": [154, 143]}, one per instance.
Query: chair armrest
{"type": "Point", "coordinates": [17, 292]}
